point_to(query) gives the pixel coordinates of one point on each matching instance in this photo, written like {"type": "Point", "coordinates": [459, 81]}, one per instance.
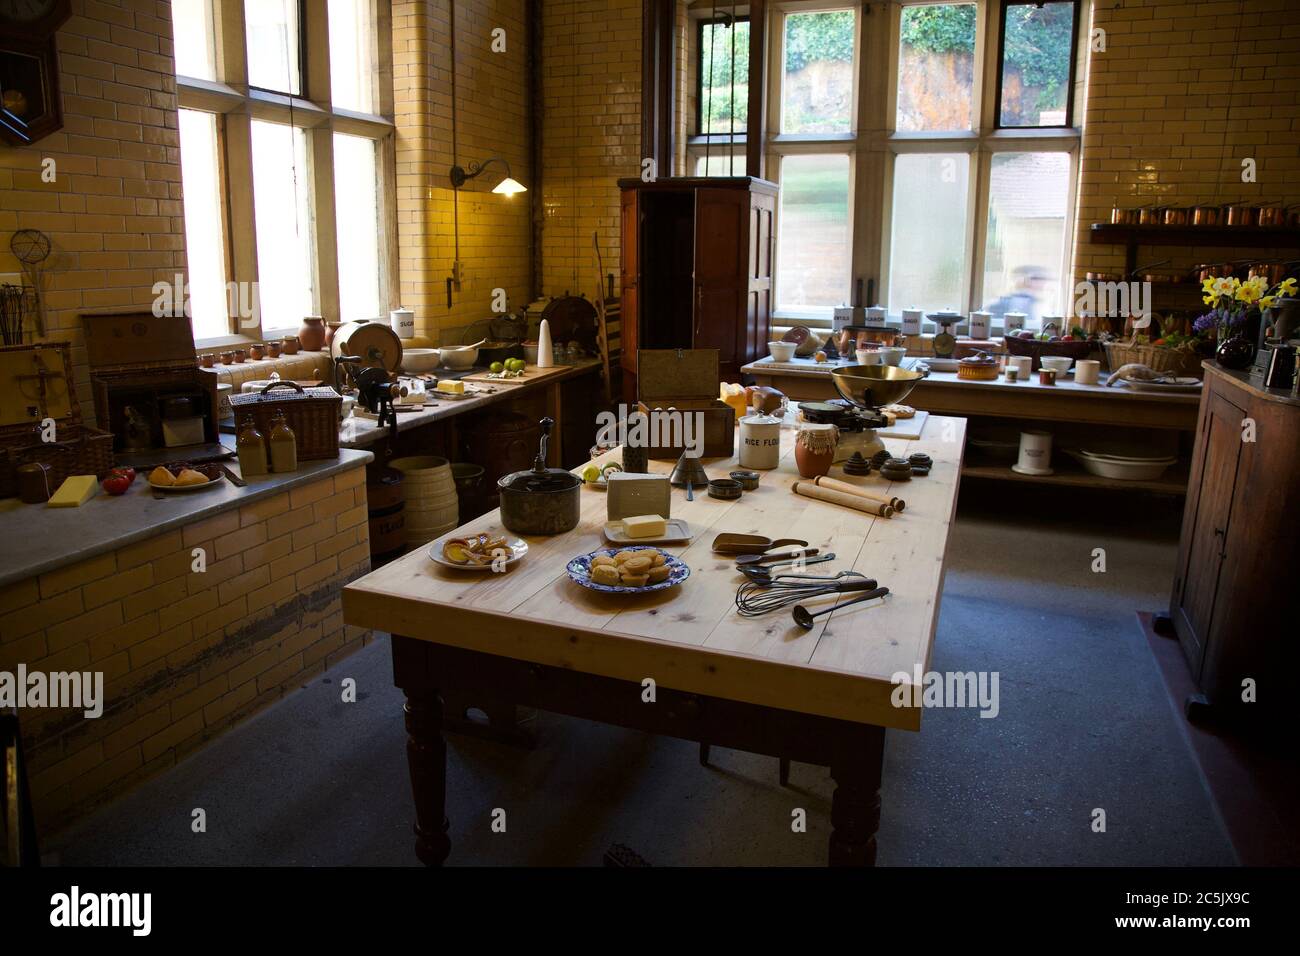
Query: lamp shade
{"type": "Point", "coordinates": [508, 187]}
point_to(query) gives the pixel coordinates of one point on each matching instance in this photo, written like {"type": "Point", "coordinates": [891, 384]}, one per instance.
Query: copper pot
{"type": "Point", "coordinates": [1293, 216]}
{"type": "Point", "coordinates": [1104, 277]}
{"type": "Point", "coordinates": [1239, 214]}
{"type": "Point", "coordinates": [1207, 215]}
{"type": "Point", "coordinates": [1271, 214]}
{"type": "Point", "coordinates": [1176, 216]}
{"type": "Point", "coordinates": [1272, 271]}
{"type": "Point", "coordinates": [1120, 216]}
{"type": "Point", "coordinates": [1212, 270]}
{"type": "Point", "coordinates": [1150, 216]}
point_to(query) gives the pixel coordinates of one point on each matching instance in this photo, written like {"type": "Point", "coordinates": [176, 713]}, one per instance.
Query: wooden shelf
{"type": "Point", "coordinates": [1173, 482]}
{"type": "Point", "coordinates": [1248, 237]}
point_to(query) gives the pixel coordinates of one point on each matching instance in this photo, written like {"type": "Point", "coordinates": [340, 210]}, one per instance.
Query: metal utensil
{"type": "Point", "coordinates": [755, 598]}
{"type": "Point", "coordinates": [690, 491]}
{"type": "Point", "coordinates": [760, 573]}
{"type": "Point", "coordinates": [233, 478]}
{"type": "Point", "coordinates": [777, 557]}
{"type": "Point", "coordinates": [804, 617]}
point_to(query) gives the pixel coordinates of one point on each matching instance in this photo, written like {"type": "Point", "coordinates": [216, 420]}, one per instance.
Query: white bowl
{"type": "Point", "coordinates": [870, 356]}
{"type": "Point", "coordinates": [458, 358]}
{"type": "Point", "coordinates": [419, 360]}
{"type": "Point", "coordinates": [1058, 363]}
{"type": "Point", "coordinates": [892, 354]}
{"type": "Point", "coordinates": [1123, 470]}
{"type": "Point", "coordinates": [781, 351]}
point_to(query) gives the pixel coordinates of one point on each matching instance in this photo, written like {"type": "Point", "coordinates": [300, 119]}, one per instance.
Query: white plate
{"type": "Point", "coordinates": [676, 531]}
{"type": "Point", "coordinates": [185, 489]}
{"type": "Point", "coordinates": [517, 545]}
{"type": "Point", "coordinates": [1181, 385]}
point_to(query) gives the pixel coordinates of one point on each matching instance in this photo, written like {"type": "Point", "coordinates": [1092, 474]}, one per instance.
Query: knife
{"type": "Point", "coordinates": [234, 478]}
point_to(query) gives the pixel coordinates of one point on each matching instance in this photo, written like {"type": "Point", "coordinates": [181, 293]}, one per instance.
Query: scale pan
{"type": "Point", "coordinates": [874, 386]}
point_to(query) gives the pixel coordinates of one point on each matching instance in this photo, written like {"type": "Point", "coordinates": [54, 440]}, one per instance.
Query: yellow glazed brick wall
{"type": "Point", "coordinates": [591, 88]}
{"type": "Point", "coordinates": [1183, 92]}
{"type": "Point", "coordinates": [184, 655]}
{"type": "Point", "coordinates": [113, 212]}
{"type": "Point", "coordinates": [492, 119]}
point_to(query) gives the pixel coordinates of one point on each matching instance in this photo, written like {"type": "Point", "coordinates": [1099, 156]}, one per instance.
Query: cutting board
{"type": "Point", "coordinates": [531, 372]}
{"type": "Point", "coordinates": [909, 428]}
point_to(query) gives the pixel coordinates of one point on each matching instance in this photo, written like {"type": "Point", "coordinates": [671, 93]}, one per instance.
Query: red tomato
{"type": "Point", "coordinates": [116, 484]}
{"type": "Point", "coordinates": [126, 472]}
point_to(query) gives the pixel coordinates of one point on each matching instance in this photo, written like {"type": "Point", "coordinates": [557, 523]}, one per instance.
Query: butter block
{"type": "Point", "coordinates": [451, 387]}
{"type": "Point", "coordinates": [75, 491]}
{"type": "Point", "coordinates": [632, 493]}
{"type": "Point", "coordinates": [644, 526]}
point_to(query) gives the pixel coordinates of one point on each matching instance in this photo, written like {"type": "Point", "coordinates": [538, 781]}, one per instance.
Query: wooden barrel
{"type": "Point", "coordinates": [430, 497]}
{"type": "Point", "coordinates": [503, 443]}
{"type": "Point", "coordinates": [385, 501]}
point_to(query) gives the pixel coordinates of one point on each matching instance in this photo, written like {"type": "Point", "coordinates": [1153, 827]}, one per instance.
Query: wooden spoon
{"type": "Point", "coordinates": [731, 543]}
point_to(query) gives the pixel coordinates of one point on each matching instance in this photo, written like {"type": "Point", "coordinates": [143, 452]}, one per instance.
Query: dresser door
{"type": "Point", "coordinates": [721, 274]}
{"type": "Point", "coordinates": [1198, 592]}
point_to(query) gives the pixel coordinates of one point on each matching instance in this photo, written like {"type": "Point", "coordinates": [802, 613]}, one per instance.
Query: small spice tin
{"type": "Point", "coordinates": [748, 479]}
{"type": "Point", "coordinates": [727, 489]}
{"type": "Point", "coordinates": [1047, 376]}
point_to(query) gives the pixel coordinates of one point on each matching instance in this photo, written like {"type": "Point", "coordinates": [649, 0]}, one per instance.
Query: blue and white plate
{"type": "Point", "coordinates": [579, 570]}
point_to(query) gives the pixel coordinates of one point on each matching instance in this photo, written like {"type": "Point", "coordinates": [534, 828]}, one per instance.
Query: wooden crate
{"type": "Point", "coordinates": [684, 381]}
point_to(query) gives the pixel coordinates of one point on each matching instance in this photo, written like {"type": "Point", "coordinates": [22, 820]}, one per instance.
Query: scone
{"type": "Point", "coordinates": [604, 574]}
{"type": "Point", "coordinates": [189, 476]}
{"type": "Point", "coordinates": [161, 476]}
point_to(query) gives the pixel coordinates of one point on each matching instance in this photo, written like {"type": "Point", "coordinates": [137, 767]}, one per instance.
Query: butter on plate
{"type": "Point", "coordinates": [644, 526]}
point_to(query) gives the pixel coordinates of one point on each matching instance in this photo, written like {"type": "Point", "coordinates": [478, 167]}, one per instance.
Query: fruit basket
{"type": "Point", "coordinates": [1038, 347]}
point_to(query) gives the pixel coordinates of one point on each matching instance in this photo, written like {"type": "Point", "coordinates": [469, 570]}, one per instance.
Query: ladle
{"type": "Point", "coordinates": [804, 617]}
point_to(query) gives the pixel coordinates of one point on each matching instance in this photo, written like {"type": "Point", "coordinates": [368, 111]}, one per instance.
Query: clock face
{"type": "Point", "coordinates": [25, 11]}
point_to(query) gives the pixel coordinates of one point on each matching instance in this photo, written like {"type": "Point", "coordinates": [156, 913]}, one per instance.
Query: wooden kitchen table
{"type": "Point", "coordinates": [531, 636]}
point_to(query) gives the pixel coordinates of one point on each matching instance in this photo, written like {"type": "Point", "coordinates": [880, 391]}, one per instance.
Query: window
{"type": "Point", "coordinates": [936, 67]}
{"type": "Point", "coordinates": [282, 213]}
{"type": "Point", "coordinates": [192, 35]}
{"type": "Point", "coordinates": [817, 76]}
{"type": "Point", "coordinates": [283, 168]}
{"type": "Point", "coordinates": [949, 194]}
{"type": "Point", "coordinates": [205, 233]}
{"type": "Point", "coordinates": [723, 73]}
{"type": "Point", "coordinates": [1036, 65]}
{"type": "Point", "coordinates": [813, 251]}
{"type": "Point", "coordinates": [273, 56]}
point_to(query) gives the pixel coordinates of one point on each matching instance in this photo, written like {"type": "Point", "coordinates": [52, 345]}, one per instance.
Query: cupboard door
{"type": "Point", "coordinates": [629, 263]}
{"type": "Point", "coordinates": [721, 272]}
{"type": "Point", "coordinates": [1208, 535]}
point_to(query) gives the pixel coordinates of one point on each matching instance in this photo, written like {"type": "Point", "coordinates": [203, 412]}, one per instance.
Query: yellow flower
{"type": "Point", "coordinates": [1268, 302]}
{"type": "Point", "coordinates": [1288, 288]}
{"type": "Point", "coordinates": [1209, 299]}
{"type": "Point", "coordinates": [1207, 285]}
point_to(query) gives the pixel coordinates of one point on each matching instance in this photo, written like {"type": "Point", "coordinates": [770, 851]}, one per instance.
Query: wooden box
{"type": "Point", "coordinates": [137, 358]}
{"type": "Point", "coordinates": [676, 383]}
{"type": "Point", "coordinates": [36, 386]}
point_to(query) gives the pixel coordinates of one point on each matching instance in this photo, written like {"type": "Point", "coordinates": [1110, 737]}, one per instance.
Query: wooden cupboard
{"type": "Point", "coordinates": [696, 269]}
{"type": "Point", "coordinates": [1235, 591]}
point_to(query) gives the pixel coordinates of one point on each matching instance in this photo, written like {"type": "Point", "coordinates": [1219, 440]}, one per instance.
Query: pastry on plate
{"type": "Point", "coordinates": [161, 476]}
{"type": "Point", "coordinates": [900, 411]}
{"type": "Point", "coordinates": [189, 476]}
{"type": "Point", "coordinates": [980, 367]}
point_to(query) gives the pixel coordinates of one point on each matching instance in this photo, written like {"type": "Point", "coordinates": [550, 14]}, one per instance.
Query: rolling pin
{"type": "Point", "coordinates": [898, 504]}
{"type": "Point", "coordinates": [856, 502]}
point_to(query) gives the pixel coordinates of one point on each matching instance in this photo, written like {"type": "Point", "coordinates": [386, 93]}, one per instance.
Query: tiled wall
{"type": "Point", "coordinates": [113, 211]}
{"type": "Point", "coordinates": [591, 134]}
{"type": "Point", "coordinates": [1183, 93]}
{"type": "Point", "coordinates": [492, 119]}
{"type": "Point", "coordinates": [184, 655]}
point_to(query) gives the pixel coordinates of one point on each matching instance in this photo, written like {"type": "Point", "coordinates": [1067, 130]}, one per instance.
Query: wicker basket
{"type": "Point", "coordinates": [1175, 361]}
{"type": "Point", "coordinates": [312, 413]}
{"type": "Point", "coordinates": [1036, 348]}
{"type": "Point", "coordinates": [80, 450]}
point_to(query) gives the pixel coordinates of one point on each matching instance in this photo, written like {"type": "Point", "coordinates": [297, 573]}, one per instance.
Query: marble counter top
{"type": "Point", "coordinates": [36, 538]}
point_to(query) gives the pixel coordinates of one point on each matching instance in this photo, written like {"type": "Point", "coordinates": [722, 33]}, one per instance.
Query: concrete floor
{"type": "Point", "coordinates": [1084, 724]}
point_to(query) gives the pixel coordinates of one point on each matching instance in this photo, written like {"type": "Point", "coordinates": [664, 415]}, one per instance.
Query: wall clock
{"type": "Point", "coordinates": [33, 19]}
{"type": "Point", "coordinates": [29, 69]}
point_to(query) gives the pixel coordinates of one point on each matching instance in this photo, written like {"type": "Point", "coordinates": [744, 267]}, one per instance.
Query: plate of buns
{"type": "Point", "coordinates": [181, 476]}
{"type": "Point", "coordinates": [628, 570]}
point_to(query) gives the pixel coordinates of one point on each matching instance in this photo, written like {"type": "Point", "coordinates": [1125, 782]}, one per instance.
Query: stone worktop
{"type": "Point", "coordinates": [37, 538]}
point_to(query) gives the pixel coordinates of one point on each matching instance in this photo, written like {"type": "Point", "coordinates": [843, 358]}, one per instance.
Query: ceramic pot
{"type": "Point", "coordinates": [207, 360]}
{"type": "Point", "coordinates": [257, 352]}
{"type": "Point", "coordinates": [312, 334]}
{"type": "Point", "coordinates": [273, 349]}
{"type": "Point", "coordinates": [291, 345]}
{"type": "Point", "coordinates": [240, 356]}
{"type": "Point", "coordinates": [331, 330]}
{"type": "Point", "coordinates": [227, 358]}
{"type": "Point", "coordinates": [1236, 353]}
{"type": "Point", "coordinates": [814, 450]}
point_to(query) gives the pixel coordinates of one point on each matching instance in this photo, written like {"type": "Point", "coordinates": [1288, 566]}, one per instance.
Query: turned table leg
{"type": "Point", "coordinates": [426, 755]}
{"type": "Point", "coordinates": [855, 806]}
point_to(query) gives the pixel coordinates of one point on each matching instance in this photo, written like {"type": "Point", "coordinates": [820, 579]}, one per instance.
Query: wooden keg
{"type": "Point", "coordinates": [503, 443]}
{"type": "Point", "coordinates": [430, 497]}
{"type": "Point", "coordinates": [376, 343]}
{"type": "Point", "coordinates": [386, 503]}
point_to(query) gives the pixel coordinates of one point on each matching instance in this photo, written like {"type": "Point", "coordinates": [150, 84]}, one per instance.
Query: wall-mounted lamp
{"type": "Point", "coordinates": [507, 186]}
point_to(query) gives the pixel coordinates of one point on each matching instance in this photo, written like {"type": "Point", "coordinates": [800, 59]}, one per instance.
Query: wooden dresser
{"type": "Point", "coordinates": [696, 269]}
{"type": "Point", "coordinates": [1237, 584]}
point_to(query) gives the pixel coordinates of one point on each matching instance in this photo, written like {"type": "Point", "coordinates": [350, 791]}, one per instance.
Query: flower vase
{"type": "Point", "coordinates": [1236, 352]}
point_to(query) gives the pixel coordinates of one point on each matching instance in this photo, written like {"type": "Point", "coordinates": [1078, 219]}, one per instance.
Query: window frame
{"type": "Point", "coordinates": [698, 63]}
{"type": "Point", "coordinates": [1002, 52]}
{"type": "Point", "coordinates": [236, 104]}
{"type": "Point", "coordinates": [874, 142]}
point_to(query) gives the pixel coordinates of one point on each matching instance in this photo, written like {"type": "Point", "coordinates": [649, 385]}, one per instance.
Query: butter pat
{"type": "Point", "coordinates": [75, 491]}
{"type": "Point", "coordinates": [644, 526]}
{"type": "Point", "coordinates": [451, 387]}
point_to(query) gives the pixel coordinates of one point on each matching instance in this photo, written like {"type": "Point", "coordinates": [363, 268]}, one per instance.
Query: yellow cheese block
{"type": "Point", "coordinates": [644, 526]}
{"type": "Point", "coordinates": [451, 387]}
{"type": "Point", "coordinates": [75, 491]}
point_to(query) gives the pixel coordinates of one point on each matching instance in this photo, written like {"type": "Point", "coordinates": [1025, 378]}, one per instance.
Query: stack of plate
{"type": "Point", "coordinates": [1124, 464]}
